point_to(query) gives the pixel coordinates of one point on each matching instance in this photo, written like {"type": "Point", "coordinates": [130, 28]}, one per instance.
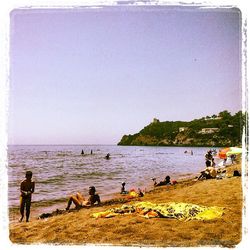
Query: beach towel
{"type": "Point", "coordinates": [175, 210]}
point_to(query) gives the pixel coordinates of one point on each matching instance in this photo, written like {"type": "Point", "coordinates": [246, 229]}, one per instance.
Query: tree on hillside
{"type": "Point", "coordinates": [225, 114]}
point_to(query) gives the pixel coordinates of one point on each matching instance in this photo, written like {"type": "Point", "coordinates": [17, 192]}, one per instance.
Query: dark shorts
{"type": "Point", "coordinates": [25, 201]}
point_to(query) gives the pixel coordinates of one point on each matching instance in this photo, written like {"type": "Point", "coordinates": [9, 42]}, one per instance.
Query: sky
{"type": "Point", "coordinates": [89, 76]}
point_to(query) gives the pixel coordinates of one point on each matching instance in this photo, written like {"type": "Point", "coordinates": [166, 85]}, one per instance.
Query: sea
{"type": "Point", "coordinates": [61, 170]}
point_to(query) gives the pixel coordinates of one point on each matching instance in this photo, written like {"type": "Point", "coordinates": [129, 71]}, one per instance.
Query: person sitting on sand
{"type": "Point", "coordinates": [27, 187]}
{"type": "Point", "coordinates": [208, 173]}
{"type": "Point", "coordinates": [80, 201]}
{"type": "Point", "coordinates": [162, 183]}
{"type": "Point", "coordinates": [140, 193]}
{"type": "Point", "coordinates": [123, 191]}
{"type": "Point", "coordinates": [208, 163]}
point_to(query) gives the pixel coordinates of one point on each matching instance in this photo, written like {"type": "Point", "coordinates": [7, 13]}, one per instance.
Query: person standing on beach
{"type": "Point", "coordinates": [209, 158]}
{"type": "Point", "coordinates": [27, 187]}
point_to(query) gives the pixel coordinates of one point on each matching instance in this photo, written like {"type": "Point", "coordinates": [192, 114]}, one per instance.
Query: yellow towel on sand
{"type": "Point", "coordinates": [180, 211]}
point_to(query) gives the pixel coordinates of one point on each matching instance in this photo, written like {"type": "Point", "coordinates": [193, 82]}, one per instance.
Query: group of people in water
{"type": "Point", "coordinates": [91, 152]}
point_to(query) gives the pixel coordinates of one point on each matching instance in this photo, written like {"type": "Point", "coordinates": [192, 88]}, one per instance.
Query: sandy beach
{"type": "Point", "coordinates": [127, 92]}
{"type": "Point", "coordinates": [132, 230]}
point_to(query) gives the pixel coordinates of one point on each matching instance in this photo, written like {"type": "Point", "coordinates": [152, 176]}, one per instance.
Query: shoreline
{"type": "Point", "coordinates": [38, 208]}
{"type": "Point", "coordinates": [132, 230]}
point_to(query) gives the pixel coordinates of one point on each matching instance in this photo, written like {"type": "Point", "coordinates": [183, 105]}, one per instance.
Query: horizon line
{"type": "Point", "coordinates": [66, 144]}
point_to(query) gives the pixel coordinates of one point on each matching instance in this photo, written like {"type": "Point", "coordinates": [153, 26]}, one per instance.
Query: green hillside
{"type": "Point", "coordinates": [223, 129]}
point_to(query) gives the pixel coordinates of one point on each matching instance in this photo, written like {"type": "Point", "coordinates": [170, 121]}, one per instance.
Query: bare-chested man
{"type": "Point", "coordinates": [27, 187]}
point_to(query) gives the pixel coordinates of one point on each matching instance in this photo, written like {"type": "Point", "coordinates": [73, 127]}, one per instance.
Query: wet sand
{"type": "Point", "coordinates": [132, 230]}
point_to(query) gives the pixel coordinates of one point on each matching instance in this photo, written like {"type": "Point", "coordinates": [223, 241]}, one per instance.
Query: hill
{"type": "Point", "coordinates": [223, 129]}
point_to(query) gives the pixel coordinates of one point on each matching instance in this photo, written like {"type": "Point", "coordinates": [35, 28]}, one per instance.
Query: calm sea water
{"type": "Point", "coordinates": [61, 170]}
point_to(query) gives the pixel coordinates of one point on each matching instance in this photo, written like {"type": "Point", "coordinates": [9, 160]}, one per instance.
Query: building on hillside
{"type": "Point", "coordinates": [213, 118]}
{"type": "Point", "coordinates": [155, 120]}
{"type": "Point", "coordinates": [182, 129]}
{"type": "Point", "coordinates": [209, 130]}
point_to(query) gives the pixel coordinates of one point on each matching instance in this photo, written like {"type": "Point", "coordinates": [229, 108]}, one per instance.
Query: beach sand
{"type": "Point", "coordinates": [132, 230]}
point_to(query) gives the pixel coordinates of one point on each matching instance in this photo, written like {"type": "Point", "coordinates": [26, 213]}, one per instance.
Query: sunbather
{"type": "Point", "coordinates": [80, 201]}
{"type": "Point", "coordinates": [162, 183]}
{"type": "Point", "coordinates": [208, 173]}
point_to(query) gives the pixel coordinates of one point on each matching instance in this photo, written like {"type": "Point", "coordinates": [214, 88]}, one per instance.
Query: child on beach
{"type": "Point", "coordinates": [123, 191]}
{"type": "Point", "coordinates": [27, 187]}
{"type": "Point", "coordinates": [80, 201]}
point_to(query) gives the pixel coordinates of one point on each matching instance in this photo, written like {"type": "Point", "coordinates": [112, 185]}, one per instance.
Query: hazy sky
{"type": "Point", "coordinates": [89, 76]}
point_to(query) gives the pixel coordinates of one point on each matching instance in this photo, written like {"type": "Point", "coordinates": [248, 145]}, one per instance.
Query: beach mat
{"type": "Point", "coordinates": [180, 211]}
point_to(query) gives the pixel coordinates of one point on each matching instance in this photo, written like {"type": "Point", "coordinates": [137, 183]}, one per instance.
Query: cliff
{"type": "Point", "coordinates": [223, 129]}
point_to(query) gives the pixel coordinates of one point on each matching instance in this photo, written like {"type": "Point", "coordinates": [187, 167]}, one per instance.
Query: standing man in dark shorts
{"type": "Point", "coordinates": [27, 187]}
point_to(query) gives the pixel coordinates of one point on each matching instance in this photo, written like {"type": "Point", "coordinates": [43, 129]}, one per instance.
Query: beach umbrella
{"type": "Point", "coordinates": [234, 151]}
{"type": "Point", "coordinates": [223, 153]}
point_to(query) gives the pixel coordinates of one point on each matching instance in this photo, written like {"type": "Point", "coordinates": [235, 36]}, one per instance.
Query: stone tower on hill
{"type": "Point", "coordinates": [155, 120]}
